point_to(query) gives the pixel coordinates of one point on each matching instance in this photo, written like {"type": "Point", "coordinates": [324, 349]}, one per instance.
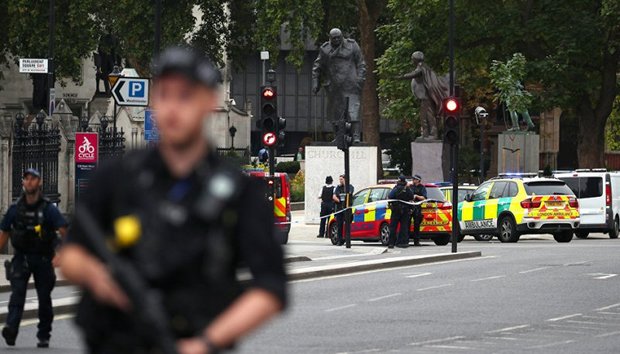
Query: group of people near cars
{"type": "Point", "coordinates": [403, 198]}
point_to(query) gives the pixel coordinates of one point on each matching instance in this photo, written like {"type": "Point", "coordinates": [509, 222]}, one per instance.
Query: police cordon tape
{"type": "Point", "coordinates": [343, 210]}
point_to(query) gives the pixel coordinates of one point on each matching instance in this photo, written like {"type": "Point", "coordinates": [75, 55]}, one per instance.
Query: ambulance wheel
{"type": "Point", "coordinates": [507, 230]}
{"type": "Point", "coordinates": [442, 240]}
{"type": "Point", "coordinates": [384, 234]}
{"type": "Point", "coordinates": [582, 234]}
{"type": "Point", "coordinates": [483, 238]}
{"type": "Point", "coordinates": [615, 230]}
{"type": "Point", "coordinates": [564, 236]}
{"type": "Point", "coordinates": [333, 233]}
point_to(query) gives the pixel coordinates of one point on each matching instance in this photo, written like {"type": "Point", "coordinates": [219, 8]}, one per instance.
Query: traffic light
{"type": "Point", "coordinates": [451, 109]}
{"type": "Point", "coordinates": [280, 131]}
{"type": "Point", "coordinates": [268, 121]}
{"type": "Point", "coordinates": [344, 136]}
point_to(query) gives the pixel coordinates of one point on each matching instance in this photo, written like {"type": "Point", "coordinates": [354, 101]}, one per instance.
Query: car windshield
{"type": "Point", "coordinates": [585, 187]}
{"type": "Point", "coordinates": [434, 193]}
{"type": "Point", "coordinates": [547, 188]}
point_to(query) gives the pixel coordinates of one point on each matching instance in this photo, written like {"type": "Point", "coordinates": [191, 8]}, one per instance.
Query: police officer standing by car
{"type": "Point", "coordinates": [419, 194]}
{"type": "Point", "coordinates": [401, 213]}
{"type": "Point", "coordinates": [327, 203]}
{"type": "Point", "coordinates": [31, 224]}
{"type": "Point", "coordinates": [185, 221]}
{"type": "Point", "coordinates": [339, 198]}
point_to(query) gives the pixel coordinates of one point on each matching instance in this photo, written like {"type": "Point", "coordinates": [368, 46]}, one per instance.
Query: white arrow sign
{"type": "Point", "coordinates": [131, 91]}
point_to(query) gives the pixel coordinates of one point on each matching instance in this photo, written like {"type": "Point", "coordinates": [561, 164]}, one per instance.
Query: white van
{"type": "Point", "coordinates": [598, 192]}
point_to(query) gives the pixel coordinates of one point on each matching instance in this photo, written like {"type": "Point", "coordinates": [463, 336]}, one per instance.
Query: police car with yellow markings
{"type": "Point", "coordinates": [509, 207]}
{"type": "Point", "coordinates": [371, 216]}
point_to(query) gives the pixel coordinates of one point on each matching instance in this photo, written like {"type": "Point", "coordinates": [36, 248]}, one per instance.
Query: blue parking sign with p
{"type": "Point", "coordinates": [136, 88]}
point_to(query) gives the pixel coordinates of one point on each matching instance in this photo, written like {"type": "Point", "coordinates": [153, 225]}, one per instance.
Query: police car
{"type": "Point", "coordinates": [509, 207]}
{"type": "Point", "coordinates": [371, 216]}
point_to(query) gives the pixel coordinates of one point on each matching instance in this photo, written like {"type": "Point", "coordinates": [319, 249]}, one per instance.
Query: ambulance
{"type": "Point", "coordinates": [509, 207]}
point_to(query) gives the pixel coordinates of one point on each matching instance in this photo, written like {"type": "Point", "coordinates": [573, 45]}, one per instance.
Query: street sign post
{"type": "Point", "coordinates": [33, 66]}
{"type": "Point", "coordinates": [131, 91]}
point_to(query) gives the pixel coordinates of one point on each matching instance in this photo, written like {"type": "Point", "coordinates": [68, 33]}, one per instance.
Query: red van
{"type": "Point", "coordinates": [281, 203]}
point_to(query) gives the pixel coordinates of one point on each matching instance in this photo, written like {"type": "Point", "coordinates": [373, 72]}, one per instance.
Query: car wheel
{"type": "Point", "coordinates": [507, 230]}
{"type": "Point", "coordinates": [333, 233]}
{"type": "Point", "coordinates": [564, 236]}
{"type": "Point", "coordinates": [442, 240]}
{"type": "Point", "coordinates": [284, 238]}
{"type": "Point", "coordinates": [615, 230]}
{"type": "Point", "coordinates": [582, 234]}
{"type": "Point", "coordinates": [483, 238]}
{"type": "Point", "coordinates": [384, 234]}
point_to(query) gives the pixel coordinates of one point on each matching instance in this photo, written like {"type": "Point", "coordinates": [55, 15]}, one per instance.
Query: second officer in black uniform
{"type": "Point", "coordinates": [419, 194]}
{"type": "Point", "coordinates": [186, 221]}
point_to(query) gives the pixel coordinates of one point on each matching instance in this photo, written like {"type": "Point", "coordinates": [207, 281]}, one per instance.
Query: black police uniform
{"type": "Point", "coordinates": [401, 214]}
{"type": "Point", "coordinates": [417, 212]}
{"type": "Point", "coordinates": [189, 257]}
{"type": "Point", "coordinates": [327, 206]}
{"type": "Point", "coordinates": [339, 192]}
{"type": "Point", "coordinates": [32, 231]}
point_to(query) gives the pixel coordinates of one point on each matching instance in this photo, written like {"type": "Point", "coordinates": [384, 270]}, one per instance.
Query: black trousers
{"type": "Point", "coordinates": [400, 217]}
{"type": "Point", "coordinates": [417, 220]}
{"type": "Point", "coordinates": [326, 209]}
{"type": "Point", "coordinates": [40, 267]}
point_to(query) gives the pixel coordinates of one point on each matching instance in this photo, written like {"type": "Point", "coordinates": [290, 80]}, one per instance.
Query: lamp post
{"type": "Point", "coordinates": [112, 79]}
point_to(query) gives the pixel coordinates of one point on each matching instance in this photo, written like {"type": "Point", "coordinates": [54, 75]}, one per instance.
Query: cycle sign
{"type": "Point", "coordinates": [86, 147]}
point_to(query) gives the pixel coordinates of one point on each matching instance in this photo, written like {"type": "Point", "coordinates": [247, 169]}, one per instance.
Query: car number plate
{"type": "Point", "coordinates": [554, 204]}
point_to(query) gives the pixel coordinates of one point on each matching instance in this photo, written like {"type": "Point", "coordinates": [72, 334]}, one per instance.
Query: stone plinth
{"type": "Point", "coordinates": [428, 160]}
{"type": "Point", "coordinates": [518, 152]}
{"type": "Point", "coordinates": [323, 161]}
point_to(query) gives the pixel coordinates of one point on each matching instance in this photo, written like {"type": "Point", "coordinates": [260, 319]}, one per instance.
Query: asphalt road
{"type": "Point", "coordinates": [534, 296]}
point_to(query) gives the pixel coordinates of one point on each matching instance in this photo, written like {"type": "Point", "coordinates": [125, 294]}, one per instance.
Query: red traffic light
{"type": "Point", "coordinates": [268, 93]}
{"type": "Point", "coordinates": [451, 105]}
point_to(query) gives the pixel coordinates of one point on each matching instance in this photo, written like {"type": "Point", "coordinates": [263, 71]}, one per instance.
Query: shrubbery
{"type": "Point", "coordinates": [290, 167]}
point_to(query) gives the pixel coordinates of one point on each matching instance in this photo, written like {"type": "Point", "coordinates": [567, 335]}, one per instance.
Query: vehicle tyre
{"type": "Point", "coordinates": [442, 239]}
{"type": "Point", "coordinates": [582, 234]}
{"type": "Point", "coordinates": [483, 238]}
{"type": "Point", "coordinates": [507, 230]}
{"type": "Point", "coordinates": [285, 238]}
{"type": "Point", "coordinates": [333, 233]}
{"type": "Point", "coordinates": [564, 236]}
{"type": "Point", "coordinates": [615, 230]}
{"type": "Point", "coordinates": [384, 234]}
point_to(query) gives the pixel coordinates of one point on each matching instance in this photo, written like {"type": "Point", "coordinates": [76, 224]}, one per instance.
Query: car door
{"type": "Point", "coordinates": [358, 205]}
{"type": "Point", "coordinates": [473, 210]}
{"type": "Point", "coordinates": [491, 206]}
{"type": "Point", "coordinates": [374, 211]}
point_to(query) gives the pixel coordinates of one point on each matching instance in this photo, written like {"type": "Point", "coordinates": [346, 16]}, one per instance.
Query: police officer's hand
{"type": "Point", "coordinates": [105, 289]}
{"type": "Point", "coordinates": [192, 346]}
{"type": "Point", "coordinates": [56, 261]}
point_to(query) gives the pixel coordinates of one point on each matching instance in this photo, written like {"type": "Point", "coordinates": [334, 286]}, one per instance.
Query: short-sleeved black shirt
{"type": "Point", "coordinates": [178, 253]}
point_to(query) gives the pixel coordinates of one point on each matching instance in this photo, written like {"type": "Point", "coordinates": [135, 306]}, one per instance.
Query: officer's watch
{"type": "Point", "coordinates": [211, 348]}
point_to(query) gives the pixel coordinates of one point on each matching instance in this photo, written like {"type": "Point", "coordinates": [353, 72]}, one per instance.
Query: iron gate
{"type": "Point", "coordinates": [36, 145]}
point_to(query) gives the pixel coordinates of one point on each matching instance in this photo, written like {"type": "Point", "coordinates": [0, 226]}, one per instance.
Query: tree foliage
{"type": "Point", "coordinates": [572, 48]}
{"type": "Point", "coordinates": [506, 77]}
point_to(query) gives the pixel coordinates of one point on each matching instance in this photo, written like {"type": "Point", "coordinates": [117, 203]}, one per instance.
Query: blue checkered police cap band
{"type": "Point", "coordinates": [417, 177]}
{"type": "Point", "coordinates": [188, 62]}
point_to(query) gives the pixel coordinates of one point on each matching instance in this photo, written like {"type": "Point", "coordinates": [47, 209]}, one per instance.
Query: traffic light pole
{"type": "Point", "coordinates": [347, 213]}
{"type": "Point", "coordinates": [454, 148]}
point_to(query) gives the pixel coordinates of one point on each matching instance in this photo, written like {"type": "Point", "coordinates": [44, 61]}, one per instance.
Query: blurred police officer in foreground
{"type": "Point", "coordinates": [401, 213]}
{"type": "Point", "coordinates": [167, 197]}
{"type": "Point", "coordinates": [419, 194]}
{"type": "Point", "coordinates": [31, 223]}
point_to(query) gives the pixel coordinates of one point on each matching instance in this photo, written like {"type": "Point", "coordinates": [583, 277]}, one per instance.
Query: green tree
{"type": "Point", "coordinates": [572, 48]}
